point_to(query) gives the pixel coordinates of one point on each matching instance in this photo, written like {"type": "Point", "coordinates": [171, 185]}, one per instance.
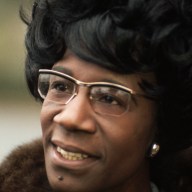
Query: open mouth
{"type": "Point", "coordinates": [72, 156]}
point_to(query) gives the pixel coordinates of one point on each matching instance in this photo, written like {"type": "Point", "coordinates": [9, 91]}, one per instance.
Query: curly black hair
{"type": "Point", "coordinates": [127, 36]}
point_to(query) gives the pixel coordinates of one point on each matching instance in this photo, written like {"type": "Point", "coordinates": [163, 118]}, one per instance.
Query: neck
{"type": "Point", "coordinates": [137, 183]}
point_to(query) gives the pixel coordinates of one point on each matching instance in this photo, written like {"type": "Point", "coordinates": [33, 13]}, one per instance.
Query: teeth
{"type": "Point", "coordinates": [70, 155]}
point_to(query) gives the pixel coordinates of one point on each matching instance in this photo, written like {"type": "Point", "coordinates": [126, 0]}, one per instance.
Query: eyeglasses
{"type": "Point", "coordinates": [105, 98]}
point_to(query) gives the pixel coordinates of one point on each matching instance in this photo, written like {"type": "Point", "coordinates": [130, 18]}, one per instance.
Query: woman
{"type": "Point", "coordinates": [115, 82]}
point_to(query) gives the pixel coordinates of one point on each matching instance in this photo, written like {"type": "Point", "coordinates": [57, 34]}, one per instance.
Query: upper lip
{"type": "Point", "coordinates": [71, 148]}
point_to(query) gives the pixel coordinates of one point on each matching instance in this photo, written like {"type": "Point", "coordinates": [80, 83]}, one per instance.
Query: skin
{"type": "Point", "coordinates": [117, 146]}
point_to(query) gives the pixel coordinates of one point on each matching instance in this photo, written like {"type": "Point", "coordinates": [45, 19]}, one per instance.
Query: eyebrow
{"type": "Point", "coordinates": [69, 72]}
{"type": "Point", "coordinates": [63, 70]}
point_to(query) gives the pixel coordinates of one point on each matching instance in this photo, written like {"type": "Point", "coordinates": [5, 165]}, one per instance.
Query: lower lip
{"type": "Point", "coordinates": [58, 160]}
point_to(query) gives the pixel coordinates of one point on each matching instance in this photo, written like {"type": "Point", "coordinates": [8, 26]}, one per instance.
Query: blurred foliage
{"type": "Point", "coordinates": [12, 51]}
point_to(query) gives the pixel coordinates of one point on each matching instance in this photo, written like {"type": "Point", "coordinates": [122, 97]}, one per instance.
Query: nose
{"type": "Point", "coordinates": [77, 115]}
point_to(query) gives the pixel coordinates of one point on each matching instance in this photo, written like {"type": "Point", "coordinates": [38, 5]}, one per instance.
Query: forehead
{"type": "Point", "coordinates": [90, 72]}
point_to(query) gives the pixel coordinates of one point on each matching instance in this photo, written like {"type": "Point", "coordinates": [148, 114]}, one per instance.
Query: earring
{"type": "Point", "coordinates": [154, 149]}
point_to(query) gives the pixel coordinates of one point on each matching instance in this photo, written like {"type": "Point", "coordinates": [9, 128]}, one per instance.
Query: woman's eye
{"type": "Point", "coordinates": [59, 86]}
{"type": "Point", "coordinates": [109, 99]}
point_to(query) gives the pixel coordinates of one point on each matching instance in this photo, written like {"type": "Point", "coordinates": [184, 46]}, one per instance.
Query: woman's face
{"type": "Point", "coordinates": [102, 153]}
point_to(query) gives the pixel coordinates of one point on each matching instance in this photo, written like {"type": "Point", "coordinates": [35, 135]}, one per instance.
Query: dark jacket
{"type": "Point", "coordinates": [24, 170]}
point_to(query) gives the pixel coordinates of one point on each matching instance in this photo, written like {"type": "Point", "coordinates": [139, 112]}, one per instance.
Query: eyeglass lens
{"type": "Point", "coordinates": [105, 99]}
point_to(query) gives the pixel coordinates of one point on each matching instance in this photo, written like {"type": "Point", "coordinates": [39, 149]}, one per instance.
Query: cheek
{"type": "Point", "coordinates": [131, 129]}
{"type": "Point", "coordinates": [128, 143]}
{"type": "Point", "coordinates": [125, 144]}
{"type": "Point", "coordinates": [130, 136]}
{"type": "Point", "coordinates": [46, 117]}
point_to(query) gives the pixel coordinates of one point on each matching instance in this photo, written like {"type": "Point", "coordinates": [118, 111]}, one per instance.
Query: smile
{"type": "Point", "coordinates": [71, 155]}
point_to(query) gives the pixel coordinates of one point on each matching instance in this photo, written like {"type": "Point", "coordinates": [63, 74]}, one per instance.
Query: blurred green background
{"type": "Point", "coordinates": [11, 51]}
{"type": "Point", "coordinates": [19, 112]}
